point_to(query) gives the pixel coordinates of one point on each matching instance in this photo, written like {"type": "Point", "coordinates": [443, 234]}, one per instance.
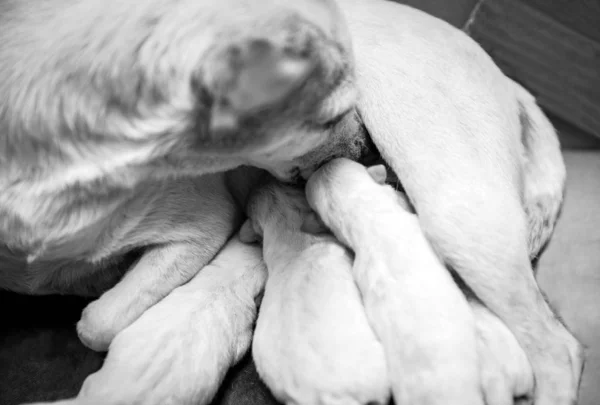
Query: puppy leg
{"type": "Point", "coordinates": [188, 223]}
{"type": "Point", "coordinates": [178, 351]}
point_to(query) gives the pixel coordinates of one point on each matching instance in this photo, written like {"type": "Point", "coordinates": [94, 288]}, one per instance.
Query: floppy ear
{"type": "Point", "coordinates": [378, 173]}
{"type": "Point", "coordinates": [248, 234]}
{"type": "Point", "coordinates": [250, 75]}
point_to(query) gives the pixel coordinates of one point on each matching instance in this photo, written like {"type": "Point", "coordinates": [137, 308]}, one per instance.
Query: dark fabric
{"type": "Point", "coordinates": [41, 357]}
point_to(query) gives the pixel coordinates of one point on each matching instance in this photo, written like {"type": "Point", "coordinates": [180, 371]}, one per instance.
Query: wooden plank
{"type": "Point", "coordinates": [558, 64]}
{"type": "Point", "coordinates": [455, 12]}
{"type": "Point", "coordinates": [582, 16]}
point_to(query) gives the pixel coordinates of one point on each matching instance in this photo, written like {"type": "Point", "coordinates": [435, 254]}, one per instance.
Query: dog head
{"type": "Point", "coordinates": [276, 95]}
{"type": "Point", "coordinates": [114, 84]}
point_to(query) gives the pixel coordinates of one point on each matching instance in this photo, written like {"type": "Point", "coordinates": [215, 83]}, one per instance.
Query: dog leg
{"type": "Point", "coordinates": [414, 306]}
{"type": "Point", "coordinates": [178, 351]}
{"type": "Point", "coordinates": [462, 175]}
{"type": "Point", "coordinates": [313, 343]}
{"type": "Point", "coordinates": [188, 223]}
{"type": "Point", "coordinates": [504, 369]}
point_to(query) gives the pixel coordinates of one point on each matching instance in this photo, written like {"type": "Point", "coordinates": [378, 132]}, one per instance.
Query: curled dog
{"type": "Point", "coordinates": [104, 100]}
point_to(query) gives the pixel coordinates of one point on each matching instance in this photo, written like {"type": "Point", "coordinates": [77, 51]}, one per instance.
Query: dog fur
{"type": "Point", "coordinates": [104, 100]}
{"type": "Point", "coordinates": [198, 332]}
{"type": "Point", "coordinates": [451, 126]}
{"type": "Point", "coordinates": [313, 343]}
{"type": "Point", "coordinates": [113, 112]}
{"type": "Point", "coordinates": [312, 313]}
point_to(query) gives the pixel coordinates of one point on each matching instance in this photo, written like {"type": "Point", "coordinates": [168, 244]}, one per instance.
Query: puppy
{"type": "Point", "coordinates": [422, 319]}
{"type": "Point", "coordinates": [179, 350]}
{"type": "Point", "coordinates": [115, 119]}
{"type": "Point", "coordinates": [480, 163]}
{"type": "Point", "coordinates": [313, 343]}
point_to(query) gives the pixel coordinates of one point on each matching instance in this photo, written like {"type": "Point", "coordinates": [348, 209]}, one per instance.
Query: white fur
{"type": "Point", "coordinates": [188, 220]}
{"type": "Point", "coordinates": [179, 350]}
{"type": "Point", "coordinates": [450, 125]}
{"type": "Point", "coordinates": [439, 349]}
{"type": "Point", "coordinates": [415, 308]}
{"type": "Point", "coordinates": [443, 116]}
{"type": "Point", "coordinates": [313, 344]}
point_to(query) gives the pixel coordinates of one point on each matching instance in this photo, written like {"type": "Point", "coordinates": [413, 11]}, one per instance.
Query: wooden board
{"type": "Point", "coordinates": [547, 51]}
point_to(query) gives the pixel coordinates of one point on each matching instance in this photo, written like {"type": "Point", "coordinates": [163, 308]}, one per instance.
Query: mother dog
{"type": "Point", "coordinates": [112, 110]}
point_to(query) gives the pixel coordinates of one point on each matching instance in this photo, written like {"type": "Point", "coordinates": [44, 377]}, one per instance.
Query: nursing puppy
{"type": "Point", "coordinates": [198, 332]}
{"type": "Point", "coordinates": [179, 350]}
{"type": "Point", "coordinates": [312, 343]}
{"type": "Point", "coordinates": [417, 311]}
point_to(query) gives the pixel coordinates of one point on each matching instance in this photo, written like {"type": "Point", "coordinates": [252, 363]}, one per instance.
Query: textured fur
{"type": "Point", "coordinates": [451, 126]}
{"type": "Point", "coordinates": [104, 101]}
{"type": "Point", "coordinates": [312, 313]}
{"type": "Point", "coordinates": [115, 117]}
{"type": "Point", "coordinates": [179, 350]}
{"type": "Point", "coordinates": [313, 343]}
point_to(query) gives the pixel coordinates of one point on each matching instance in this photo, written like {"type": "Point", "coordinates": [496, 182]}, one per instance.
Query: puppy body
{"type": "Point", "coordinates": [313, 343]}
{"type": "Point", "coordinates": [440, 347]}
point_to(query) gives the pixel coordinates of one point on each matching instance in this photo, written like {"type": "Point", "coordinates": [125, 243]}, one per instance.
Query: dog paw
{"type": "Point", "coordinates": [505, 371]}
{"type": "Point", "coordinates": [558, 366]}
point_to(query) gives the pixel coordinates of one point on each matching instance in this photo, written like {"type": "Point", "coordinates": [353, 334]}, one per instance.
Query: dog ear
{"type": "Point", "coordinates": [248, 234]}
{"type": "Point", "coordinates": [378, 173]}
{"type": "Point", "coordinates": [249, 76]}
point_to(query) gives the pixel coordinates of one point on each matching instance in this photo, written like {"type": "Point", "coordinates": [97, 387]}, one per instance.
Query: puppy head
{"type": "Point", "coordinates": [281, 206]}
